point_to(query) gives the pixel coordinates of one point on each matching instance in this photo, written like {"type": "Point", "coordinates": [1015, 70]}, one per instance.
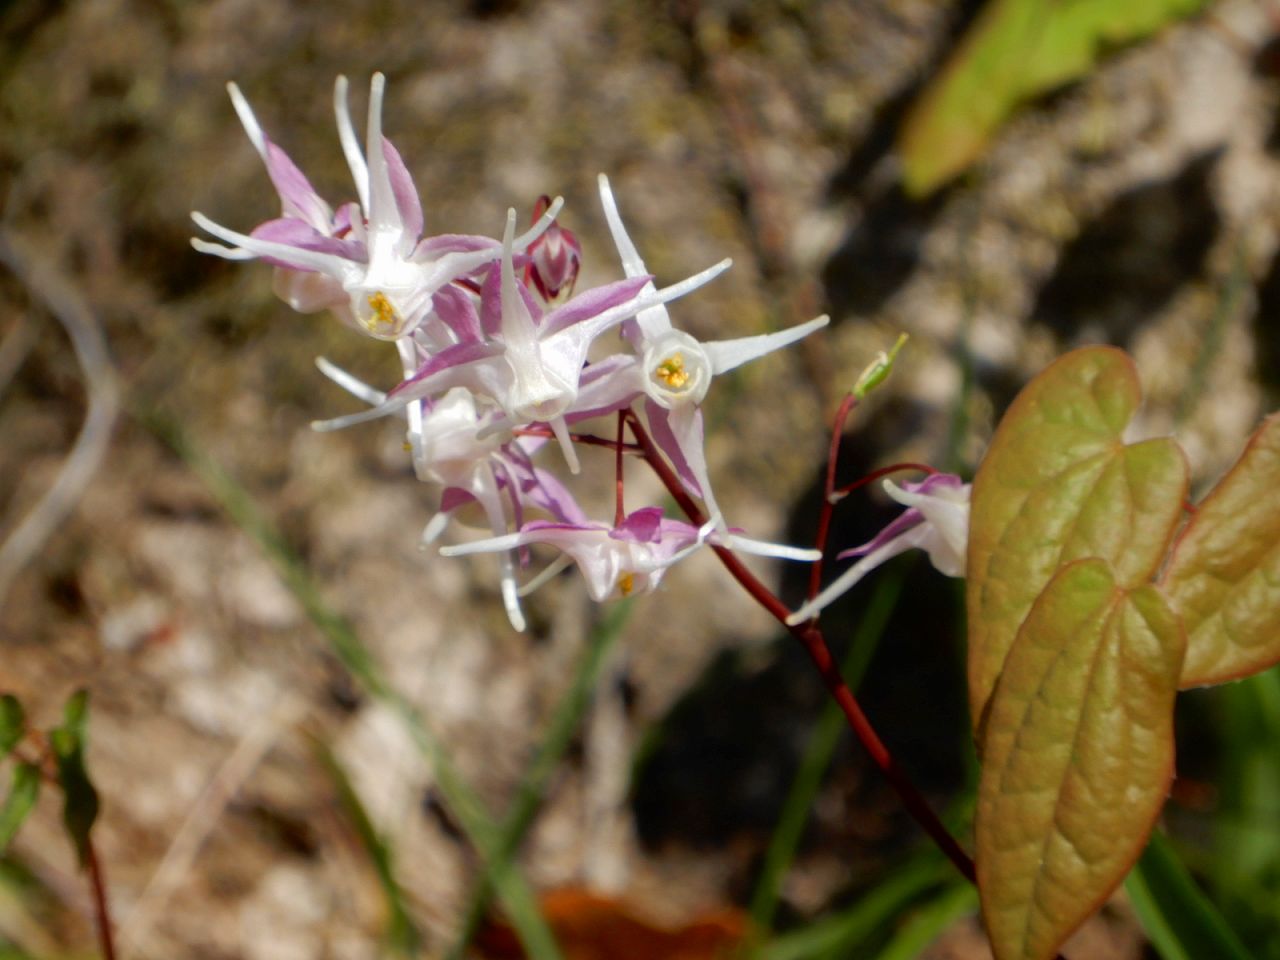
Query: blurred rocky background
{"type": "Point", "coordinates": [1137, 206]}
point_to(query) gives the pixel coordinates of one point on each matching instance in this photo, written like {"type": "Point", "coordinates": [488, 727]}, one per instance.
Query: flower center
{"type": "Point", "coordinates": [626, 583]}
{"type": "Point", "coordinates": [382, 313]}
{"type": "Point", "coordinates": [671, 371]}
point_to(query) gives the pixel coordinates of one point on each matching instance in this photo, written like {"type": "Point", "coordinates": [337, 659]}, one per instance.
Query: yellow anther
{"type": "Point", "coordinates": [384, 314]}
{"type": "Point", "coordinates": [671, 371]}
{"type": "Point", "coordinates": [626, 583]}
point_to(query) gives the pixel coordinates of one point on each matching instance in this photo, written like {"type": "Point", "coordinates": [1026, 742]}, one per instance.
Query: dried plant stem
{"type": "Point", "coordinates": [811, 638]}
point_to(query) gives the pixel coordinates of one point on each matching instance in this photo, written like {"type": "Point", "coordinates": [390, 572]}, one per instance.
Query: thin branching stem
{"type": "Point", "coordinates": [811, 638]}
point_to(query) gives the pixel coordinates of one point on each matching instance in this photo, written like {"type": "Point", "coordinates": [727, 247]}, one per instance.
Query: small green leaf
{"type": "Point", "coordinates": [402, 936]}
{"type": "Point", "coordinates": [13, 723]}
{"type": "Point", "coordinates": [1178, 918]}
{"type": "Point", "coordinates": [1058, 484]}
{"type": "Point", "coordinates": [1224, 575]}
{"type": "Point", "coordinates": [80, 799]}
{"type": "Point", "coordinates": [1015, 51]}
{"type": "Point", "coordinates": [1078, 758]}
{"type": "Point", "coordinates": [23, 791]}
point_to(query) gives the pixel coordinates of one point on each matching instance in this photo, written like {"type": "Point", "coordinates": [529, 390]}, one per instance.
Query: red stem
{"type": "Point", "coordinates": [620, 511]}
{"type": "Point", "coordinates": [875, 475]}
{"type": "Point", "coordinates": [828, 508]}
{"type": "Point", "coordinates": [810, 636]}
{"type": "Point", "coordinates": [102, 913]}
{"type": "Point", "coordinates": [583, 438]}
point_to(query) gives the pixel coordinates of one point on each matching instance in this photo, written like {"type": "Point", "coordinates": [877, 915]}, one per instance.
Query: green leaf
{"type": "Point", "coordinates": [847, 933]}
{"type": "Point", "coordinates": [1058, 484]}
{"type": "Point", "coordinates": [402, 936]}
{"type": "Point", "coordinates": [13, 723]}
{"type": "Point", "coordinates": [555, 742]}
{"type": "Point", "coordinates": [1224, 575]}
{"type": "Point", "coordinates": [80, 799]}
{"type": "Point", "coordinates": [1180, 920]}
{"type": "Point", "coordinates": [1015, 51]}
{"type": "Point", "coordinates": [23, 791]}
{"type": "Point", "coordinates": [929, 922]}
{"type": "Point", "coordinates": [1079, 756]}
{"type": "Point", "coordinates": [463, 802]}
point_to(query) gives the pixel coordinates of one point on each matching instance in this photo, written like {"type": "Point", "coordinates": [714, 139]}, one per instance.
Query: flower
{"type": "Point", "coordinates": [676, 369]}
{"type": "Point", "coordinates": [367, 262]}
{"type": "Point", "coordinates": [628, 558]}
{"type": "Point", "coordinates": [936, 520]}
{"type": "Point", "coordinates": [530, 364]}
{"type": "Point", "coordinates": [554, 258]}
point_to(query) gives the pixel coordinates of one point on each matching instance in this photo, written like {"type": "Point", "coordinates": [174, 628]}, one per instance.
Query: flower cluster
{"type": "Point", "coordinates": [494, 350]}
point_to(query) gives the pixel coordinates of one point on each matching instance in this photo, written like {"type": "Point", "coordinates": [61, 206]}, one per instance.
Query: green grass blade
{"type": "Point", "coordinates": [842, 933]}
{"type": "Point", "coordinates": [402, 935]}
{"type": "Point", "coordinates": [475, 821]}
{"type": "Point", "coordinates": [1178, 918]}
{"type": "Point", "coordinates": [555, 741]}
{"type": "Point", "coordinates": [928, 923]}
{"type": "Point", "coordinates": [817, 755]}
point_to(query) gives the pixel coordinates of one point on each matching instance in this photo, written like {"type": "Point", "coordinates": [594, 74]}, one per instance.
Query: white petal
{"type": "Point", "coordinates": [843, 583]}
{"type": "Point", "coordinates": [727, 354]}
{"type": "Point", "coordinates": [350, 145]}
{"type": "Point", "coordinates": [763, 548]}
{"type": "Point", "coordinates": [248, 120]}
{"type": "Point", "coordinates": [331, 264]}
{"type": "Point", "coordinates": [538, 229]}
{"type": "Point", "coordinates": [382, 211]}
{"type": "Point", "coordinates": [357, 388]}
{"type": "Point", "coordinates": [561, 430]}
{"type": "Point", "coordinates": [218, 250]}
{"type": "Point", "coordinates": [508, 541]}
{"type": "Point", "coordinates": [552, 569]}
{"type": "Point", "coordinates": [632, 265]}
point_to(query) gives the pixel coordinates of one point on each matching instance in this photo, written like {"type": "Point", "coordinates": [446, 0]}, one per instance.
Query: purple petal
{"type": "Point", "coordinates": [453, 498]}
{"type": "Point", "coordinates": [668, 443]}
{"type": "Point", "coordinates": [641, 526]}
{"type": "Point", "coordinates": [554, 497]}
{"type": "Point", "coordinates": [432, 248]}
{"type": "Point", "coordinates": [454, 356]}
{"type": "Point", "coordinates": [593, 302]}
{"type": "Point", "coordinates": [910, 518]}
{"type": "Point", "coordinates": [297, 195]}
{"type": "Point", "coordinates": [406, 195]}
{"type": "Point", "coordinates": [947, 481]}
{"type": "Point", "coordinates": [293, 232]}
{"type": "Point", "coordinates": [458, 312]}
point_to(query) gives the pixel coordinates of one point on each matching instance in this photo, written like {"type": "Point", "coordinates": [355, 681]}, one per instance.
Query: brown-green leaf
{"type": "Point", "coordinates": [1016, 50]}
{"type": "Point", "coordinates": [24, 789]}
{"type": "Point", "coordinates": [1079, 755]}
{"type": "Point", "coordinates": [1059, 484]}
{"type": "Point", "coordinates": [13, 724]}
{"type": "Point", "coordinates": [1224, 576]}
{"type": "Point", "coordinates": [79, 797]}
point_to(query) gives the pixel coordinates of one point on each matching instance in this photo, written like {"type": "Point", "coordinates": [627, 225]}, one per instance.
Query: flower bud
{"type": "Point", "coordinates": [554, 258]}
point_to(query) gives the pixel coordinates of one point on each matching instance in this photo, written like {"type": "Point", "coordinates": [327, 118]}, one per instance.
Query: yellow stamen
{"type": "Point", "coordinates": [671, 371]}
{"type": "Point", "coordinates": [626, 583]}
{"type": "Point", "coordinates": [384, 314]}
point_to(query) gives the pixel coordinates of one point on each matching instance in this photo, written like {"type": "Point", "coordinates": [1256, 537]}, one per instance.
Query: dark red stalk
{"type": "Point", "coordinates": [810, 636]}
{"type": "Point", "coordinates": [875, 475]}
{"type": "Point", "coordinates": [828, 508]}
{"type": "Point", "coordinates": [620, 511]}
{"type": "Point", "coordinates": [102, 913]}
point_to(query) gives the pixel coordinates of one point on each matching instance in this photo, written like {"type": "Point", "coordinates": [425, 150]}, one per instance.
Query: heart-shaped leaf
{"type": "Point", "coordinates": [1059, 484]}
{"type": "Point", "coordinates": [1078, 758]}
{"type": "Point", "coordinates": [1224, 575]}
